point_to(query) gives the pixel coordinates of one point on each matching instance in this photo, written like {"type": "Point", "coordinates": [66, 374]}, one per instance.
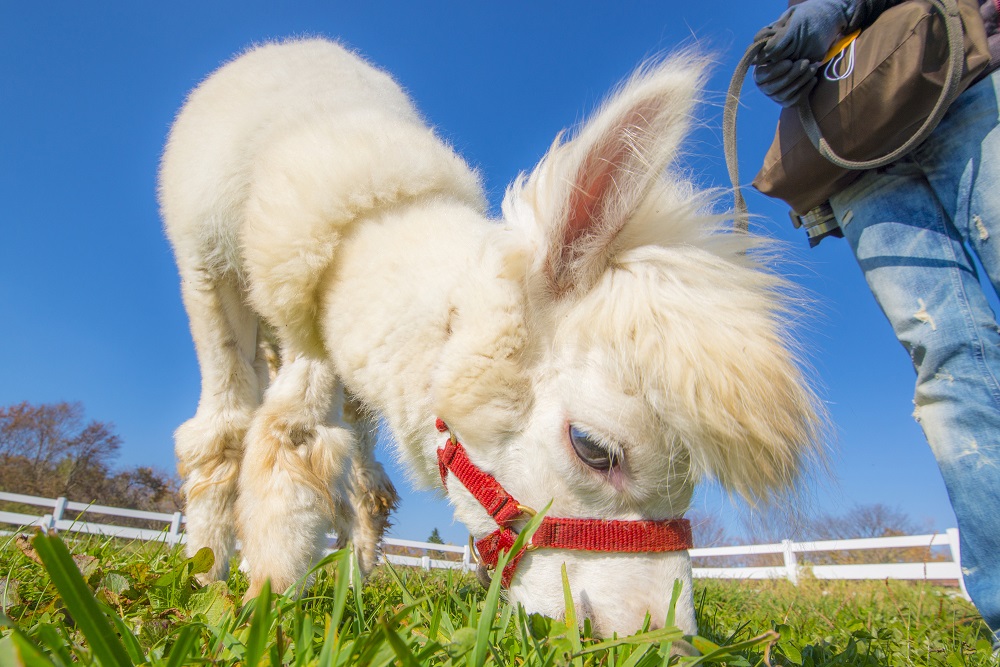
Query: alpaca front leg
{"type": "Point", "coordinates": [208, 450]}
{"type": "Point", "coordinates": [209, 446]}
{"type": "Point", "coordinates": [292, 476]}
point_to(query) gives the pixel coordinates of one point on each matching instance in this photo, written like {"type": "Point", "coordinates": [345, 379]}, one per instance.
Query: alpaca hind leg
{"type": "Point", "coordinates": [370, 491]}
{"type": "Point", "coordinates": [292, 474]}
{"type": "Point", "coordinates": [209, 446]}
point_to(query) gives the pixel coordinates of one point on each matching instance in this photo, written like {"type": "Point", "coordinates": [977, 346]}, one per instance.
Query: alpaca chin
{"type": "Point", "coordinates": [615, 591]}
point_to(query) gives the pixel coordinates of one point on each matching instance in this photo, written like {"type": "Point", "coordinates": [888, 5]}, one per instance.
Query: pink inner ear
{"type": "Point", "coordinates": [598, 186]}
{"type": "Point", "coordinates": [595, 178]}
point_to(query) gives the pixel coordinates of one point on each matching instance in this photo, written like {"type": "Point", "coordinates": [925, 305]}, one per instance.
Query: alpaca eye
{"type": "Point", "coordinates": [590, 451]}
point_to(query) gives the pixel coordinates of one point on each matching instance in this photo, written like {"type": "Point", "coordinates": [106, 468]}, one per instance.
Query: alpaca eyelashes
{"type": "Point", "coordinates": [591, 451]}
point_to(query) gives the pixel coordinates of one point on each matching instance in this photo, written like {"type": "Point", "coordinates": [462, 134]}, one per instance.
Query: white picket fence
{"type": "Point", "coordinates": [947, 570]}
{"type": "Point", "coordinates": [64, 516]}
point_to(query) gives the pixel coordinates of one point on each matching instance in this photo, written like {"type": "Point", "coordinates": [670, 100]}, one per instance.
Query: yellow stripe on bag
{"type": "Point", "coordinates": [839, 46]}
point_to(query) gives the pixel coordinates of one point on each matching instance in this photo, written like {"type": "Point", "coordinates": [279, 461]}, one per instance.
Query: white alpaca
{"type": "Point", "coordinates": [603, 346]}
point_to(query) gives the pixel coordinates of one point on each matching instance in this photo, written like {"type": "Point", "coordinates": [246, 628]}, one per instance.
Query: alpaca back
{"type": "Point", "coordinates": [276, 154]}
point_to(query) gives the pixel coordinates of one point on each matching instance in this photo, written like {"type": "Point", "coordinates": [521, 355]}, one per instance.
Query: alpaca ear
{"type": "Point", "coordinates": [585, 190]}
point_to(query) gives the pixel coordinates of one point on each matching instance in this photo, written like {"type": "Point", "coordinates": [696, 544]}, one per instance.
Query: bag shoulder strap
{"type": "Point", "coordinates": [741, 217]}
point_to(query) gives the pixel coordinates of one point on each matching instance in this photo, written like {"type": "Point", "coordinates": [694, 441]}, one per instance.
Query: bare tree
{"type": "Point", "coordinates": [875, 520]}
{"type": "Point", "coordinates": [50, 450]}
{"type": "Point", "coordinates": [707, 530]}
{"type": "Point", "coordinates": [145, 488]}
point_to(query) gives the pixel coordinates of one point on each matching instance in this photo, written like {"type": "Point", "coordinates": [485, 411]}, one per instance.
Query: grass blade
{"type": "Point", "coordinates": [399, 647]}
{"type": "Point", "coordinates": [131, 644]}
{"type": "Point", "coordinates": [304, 634]}
{"type": "Point", "coordinates": [493, 596]}
{"type": "Point", "coordinates": [17, 650]}
{"type": "Point", "coordinates": [330, 653]}
{"type": "Point", "coordinates": [675, 595]}
{"type": "Point", "coordinates": [80, 601]}
{"type": "Point", "coordinates": [652, 637]}
{"type": "Point", "coordinates": [408, 597]}
{"type": "Point", "coordinates": [637, 655]}
{"type": "Point", "coordinates": [572, 626]}
{"type": "Point", "coordinates": [356, 585]}
{"type": "Point", "coordinates": [56, 643]}
{"type": "Point", "coordinates": [182, 646]}
{"type": "Point", "coordinates": [488, 614]}
{"type": "Point", "coordinates": [728, 651]}
{"type": "Point", "coordinates": [260, 624]}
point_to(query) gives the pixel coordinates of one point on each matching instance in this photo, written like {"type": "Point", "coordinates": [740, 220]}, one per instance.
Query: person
{"type": "Point", "coordinates": [914, 227]}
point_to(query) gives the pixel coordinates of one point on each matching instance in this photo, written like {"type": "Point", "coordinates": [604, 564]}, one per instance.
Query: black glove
{"type": "Point", "coordinates": [787, 63]}
{"type": "Point", "coordinates": [786, 81]}
{"type": "Point", "coordinates": [805, 31]}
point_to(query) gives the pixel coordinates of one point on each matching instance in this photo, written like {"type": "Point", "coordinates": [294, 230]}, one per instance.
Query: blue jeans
{"type": "Point", "coordinates": [912, 227]}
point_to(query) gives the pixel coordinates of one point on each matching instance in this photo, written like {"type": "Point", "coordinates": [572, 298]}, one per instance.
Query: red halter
{"type": "Point", "coordinates": [605, 535]}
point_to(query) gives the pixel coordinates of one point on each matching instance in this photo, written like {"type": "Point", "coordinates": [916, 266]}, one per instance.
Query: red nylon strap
{"type": "Point", "coordinates": [500, 504]}
{"type": "Point", "coordinates": [613, 536]}
{"type": "Point", "coordinates": [605, 535]}
{"type": "Point", "coordinates": [489, 549]}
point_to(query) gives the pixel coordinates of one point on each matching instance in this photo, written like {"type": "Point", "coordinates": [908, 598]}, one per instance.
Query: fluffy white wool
{"type": "Point", "coordinates": [304, 196]}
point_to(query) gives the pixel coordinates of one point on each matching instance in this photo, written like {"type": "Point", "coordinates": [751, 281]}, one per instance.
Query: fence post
{"type": "Point", "coordinates": [466, 558]}
{"type": "Point", "coordinates": [174, 536]}
{"type": "Point", "coordinates": [51, 521]}
{"type": "Point", "coordinates": [791, 564]}
{"type": "Point", "coordinates": [425, 562]}
{"type": "Point", "coordinates": [956, 555]}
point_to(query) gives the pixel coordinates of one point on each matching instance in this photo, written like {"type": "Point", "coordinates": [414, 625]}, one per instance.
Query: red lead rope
{"type": "Point", "coordinates": [554, 533]}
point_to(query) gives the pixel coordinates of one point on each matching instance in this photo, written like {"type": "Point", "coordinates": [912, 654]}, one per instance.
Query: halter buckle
{"type": "Point", "coordinates": [524, 509]}
{"type": "Point", "coordinates": [473, 552]}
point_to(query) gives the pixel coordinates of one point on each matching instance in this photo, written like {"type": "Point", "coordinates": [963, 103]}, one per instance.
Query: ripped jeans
{"type": "Point", "coordinates": [912, 227]}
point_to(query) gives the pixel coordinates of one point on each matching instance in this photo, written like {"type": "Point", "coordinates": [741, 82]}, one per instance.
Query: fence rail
{"type": "Point", "coordinates": [790, 569]}
{"type": "Point", "coordinates": [172, 531]}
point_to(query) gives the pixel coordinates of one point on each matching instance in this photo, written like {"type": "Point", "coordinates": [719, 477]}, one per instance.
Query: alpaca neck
{"type": "Point", "coordinates": [386, 310]}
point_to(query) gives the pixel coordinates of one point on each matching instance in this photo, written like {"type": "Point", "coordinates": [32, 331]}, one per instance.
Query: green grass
{"type": "Point", "coordinates": [104, 602]}
{"type": "Point", "coordinates": [850, 623]}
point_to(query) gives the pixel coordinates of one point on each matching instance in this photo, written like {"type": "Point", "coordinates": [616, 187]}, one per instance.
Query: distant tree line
{"type": "Point", "coordinates": [859, 521]}
{"type": "Point", "coordinates": [51, 450]}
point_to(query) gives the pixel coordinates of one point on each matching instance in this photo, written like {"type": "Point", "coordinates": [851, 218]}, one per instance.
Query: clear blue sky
{"type": "Point", "coordinates": [89, 299]}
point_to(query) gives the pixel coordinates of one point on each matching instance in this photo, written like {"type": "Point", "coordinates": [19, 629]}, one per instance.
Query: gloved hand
{"type": "Point", "coordinates": [787, 63]}
{"type": "Point", "coordinates": [786, 81]}
{"type": "Point", "coordinates": [805, 31]}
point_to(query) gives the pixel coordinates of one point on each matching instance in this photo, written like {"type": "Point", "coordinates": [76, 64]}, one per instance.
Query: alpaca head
{"type": "Point", "coordinates": [622, 346]}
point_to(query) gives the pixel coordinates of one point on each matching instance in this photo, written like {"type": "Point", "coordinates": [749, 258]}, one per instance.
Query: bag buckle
{"type": "Point", "coordinates": [818, 222]}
